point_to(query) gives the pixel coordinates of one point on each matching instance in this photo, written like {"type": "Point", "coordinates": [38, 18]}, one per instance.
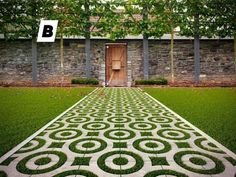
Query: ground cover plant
{"type": "Point", "coordinates": [212, 110]}
{"type": "Point", "coordinates": [25, 110]}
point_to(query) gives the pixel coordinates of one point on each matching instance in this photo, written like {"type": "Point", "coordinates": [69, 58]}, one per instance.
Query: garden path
{"type": "Point", "coordinates": [119, 132]}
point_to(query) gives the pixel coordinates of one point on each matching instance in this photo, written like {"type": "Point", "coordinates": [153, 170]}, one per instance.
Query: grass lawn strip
{"type": "Point", "coordinates": [5, 156]}
{"type": "Point", "coordinates": [212, 110]}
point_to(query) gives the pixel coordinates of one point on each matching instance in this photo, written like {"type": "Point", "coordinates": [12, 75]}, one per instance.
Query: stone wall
{"type": "Point", "coordinates": [15, 60]}
{"type": "Point", "coordinates": [217, 60]}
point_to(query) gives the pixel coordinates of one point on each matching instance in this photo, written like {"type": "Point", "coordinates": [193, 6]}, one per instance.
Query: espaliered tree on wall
{"type": "Point", "coordinates": [84, 18]}
{"type": "Point", "coordinates": [152, 19]}
{"type": "Point", "coordinates": [141, 19]}
{"type": "Point", "coordinates": [113, 24]}
{"type": "Point", "coordinates": [222, 21]}
{"type": "Point", "coordinates": [20, 19]}
{"type": "Point", "coordinates": [172, 19]}
{"type": "Point", "coordinates": [195, 23]}
{"type": "Point", "coordinates": [63, 12]}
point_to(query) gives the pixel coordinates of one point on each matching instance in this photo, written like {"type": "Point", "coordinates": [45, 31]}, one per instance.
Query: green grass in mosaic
{"type": "Point", "coordinates": [56, 145]}
{"type": "Point", "coordinates": [81, 161]}
{"type": "Point", "coordinates": [165, 172]}
{"type": "Point", "coordinates": [231, 160]}
{"type": "Point", "coordinates": [159, 161]}
{"type": "Point", "coordinates": [150, 145]}
{"type": "Point", "coordinates": [24, 110]}
{"type": "Point", "coordinates": [89, 146]}
{"type": "Point", "coordinates": [65, 134]}
{"type": "Point", "coordinates": [210, 109]}
{"type": "Point", "coordinates": [22, 167]}
{"type": "Point", "coordinates": [29, 146]}
{"type": "Point", "coordinates": [183, 145]}
{"type": "Point", "coordinates": [8, 161]}
{"type": "Point", "coordinates": [120, 162]}
{"type": "Point", "coordinates": [3, 174]}
{"type": "Point", "coordinates": [211, 147]}
{"type": "Point", "coordinates": [219, 166]}
{"type": "Point", "coordinates": [76, 172]}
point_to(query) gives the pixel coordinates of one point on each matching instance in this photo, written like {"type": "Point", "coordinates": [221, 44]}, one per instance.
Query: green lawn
{"type": "Point", "coordinates": [213, 110]}
{"type": "Point", "coordinates": [25, 110]}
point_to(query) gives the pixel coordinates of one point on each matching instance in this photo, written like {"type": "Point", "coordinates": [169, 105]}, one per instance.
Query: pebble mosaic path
{"type": "Point", "coordinates": [117, 132]}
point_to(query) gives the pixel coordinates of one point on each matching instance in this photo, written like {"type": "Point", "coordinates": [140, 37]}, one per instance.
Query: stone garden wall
{"type": "Point", "coordinates": [217, 60]}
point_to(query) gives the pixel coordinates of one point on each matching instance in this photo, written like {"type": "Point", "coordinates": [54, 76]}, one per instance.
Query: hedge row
{"type": "Point", "coordinates": [85, 81]}
{"type": "Point", "coordinates": [157, 81]}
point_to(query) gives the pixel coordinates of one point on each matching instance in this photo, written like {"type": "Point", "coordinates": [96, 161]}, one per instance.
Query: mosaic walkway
{"type": "Point", "coordinates": [120, 132]}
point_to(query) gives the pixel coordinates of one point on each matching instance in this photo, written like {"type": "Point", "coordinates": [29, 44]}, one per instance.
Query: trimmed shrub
{"type": "Point", "coordinates": [157, 81]}
{"type": "Point", "coordinates": [85, 81]}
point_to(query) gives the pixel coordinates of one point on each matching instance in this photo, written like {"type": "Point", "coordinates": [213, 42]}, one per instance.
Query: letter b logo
{"type": "Point", "coordinates": [47, 31]}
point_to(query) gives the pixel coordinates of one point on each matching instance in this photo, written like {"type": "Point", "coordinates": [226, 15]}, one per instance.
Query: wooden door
{"type": "Point", "coordinates": [116, 65]}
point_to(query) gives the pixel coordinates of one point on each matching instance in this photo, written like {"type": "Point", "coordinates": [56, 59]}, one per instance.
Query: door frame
{"type": "Point", "coordinates": [126, 54]}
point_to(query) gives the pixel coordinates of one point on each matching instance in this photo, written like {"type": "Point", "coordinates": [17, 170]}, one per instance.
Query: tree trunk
{"type": "Point", "coordinates": [235, 52]}
{"type": "Point", "coordinates": [172, 56]}
{"type": "Point", "coordinates": [145, 58]}
{"type": "Point", "coordinates": [87, 54]}
{"type": "Point", "coordinates": [145, 44]}
{"type": "Point", "coordinates": [196, 59]}
{"type": "Point", "coordinates": [34, 61]}
{"type": "Point", "coordinates": [87, 40]}
{"type": "Point", "coordinates": [196, 50]}
{"type": "Point", "coordinates": [62, 58]}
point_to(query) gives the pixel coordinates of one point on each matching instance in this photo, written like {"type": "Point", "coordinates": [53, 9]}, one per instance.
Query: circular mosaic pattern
{"type": "Point", "coordinates": [90, 110]}
{"type": "Point", "coordinates": [98, 115]}
{"type": "Point", "coordinates": [119, 134]}
{"type": "Point", "coordinates": [164, 173]}
{"type": "Point", "coordinates": [77, 120]}
{"type": "Point", "coordinates": [65, 134]}
{"type": "Point", "coordinates": [138, 114]}
{"type": "Point", "coordinates": [119, 119]}
{"type": "Point", "coordinates": [121, 110]}
{"type": "Point", "coordinates": [199, 162]}
{"type": "Point", "coordinates": [168, 114]}
{"type": "Point", "coordinates": [155, 111]}
{"type": "Point", "coordinates": [34, 144]}
{"type": "Point", "coordinates": [120, 162]}
{"type": "Point", "coordinates": [95, 126]}
{"type": "Point", "coordinates": [142, 126]}
{"type": "Point", "coordinates": [68, 114]}
{"type": "Point", "coordinates": [76, 172]}
{"type": "Point", "coordinates": [55, 125]}
{"type": "Point", "coordinates": [41, 162]}
{"type": "Point", "coordinates": [183, 125]}
{"type": "Point", "coordinates": [207, 145]}
{"type": "Point", "coordinates": [87, 145]}
{"type": "Point", "coordinates": [173, 134]}
{"type": "Point", "coordinates": [151, 145]}
{"type": "Point", "coordinates": [160, 119]}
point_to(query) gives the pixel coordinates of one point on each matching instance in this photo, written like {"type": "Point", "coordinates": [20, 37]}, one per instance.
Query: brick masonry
{"type": "Point", "coordinates": [217, 60]}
